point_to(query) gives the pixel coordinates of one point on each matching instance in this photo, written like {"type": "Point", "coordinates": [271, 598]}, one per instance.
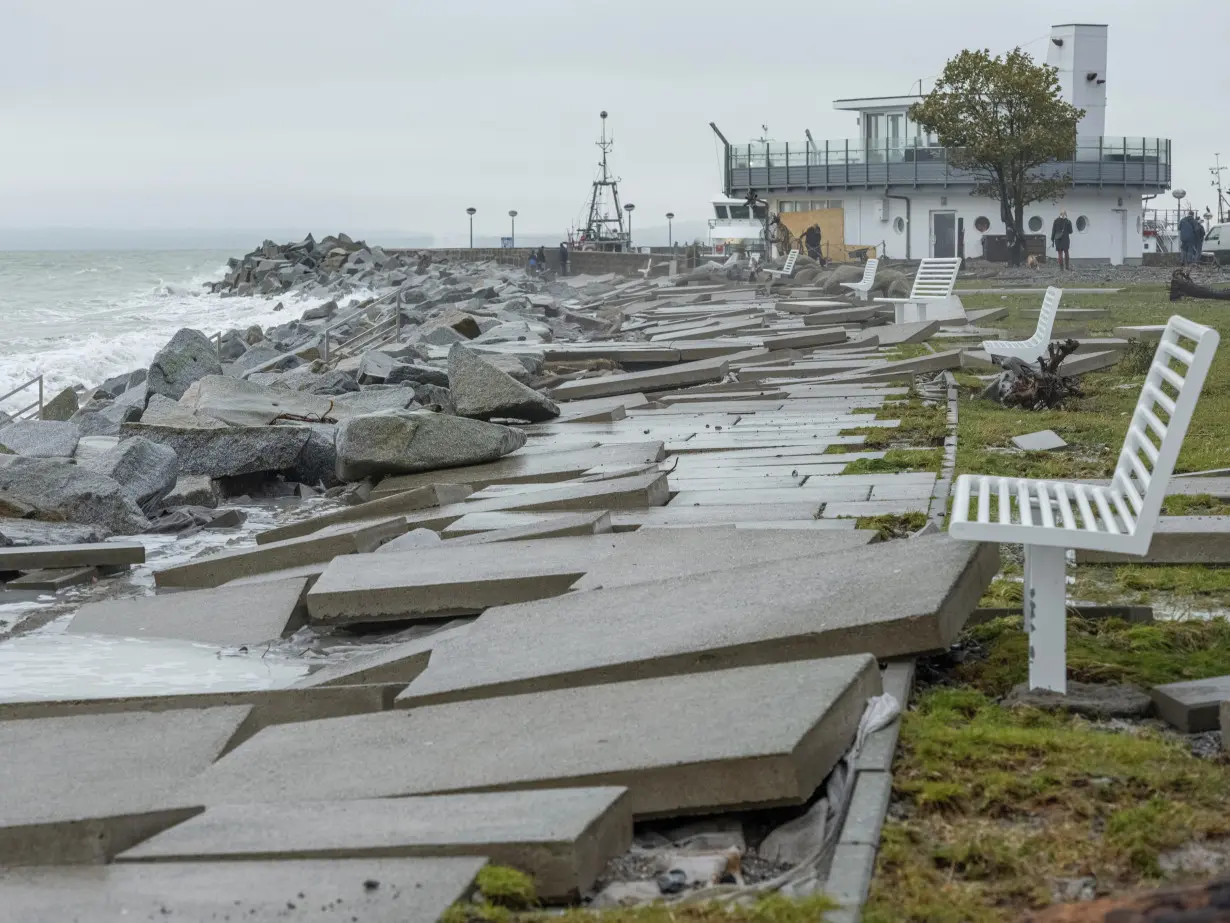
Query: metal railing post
{"type": "Point", "coordinates": [325, 346]}
{"type": "Point", "coordinates": [40, 397]}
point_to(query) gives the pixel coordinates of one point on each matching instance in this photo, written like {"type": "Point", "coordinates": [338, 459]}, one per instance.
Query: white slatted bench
{"type": "Point", "coordinates": [1048, 517]}
{"type": "Point", "coordinates": [647, 270]}
{"type": "Point", "coordinates": [788, 267]}
{"type": "Point", "coordinates": [1034, 348]}
{"type": "Point", "coordinates": [862, 288]}
{"type": "Point", "coordinates": [931, 297]}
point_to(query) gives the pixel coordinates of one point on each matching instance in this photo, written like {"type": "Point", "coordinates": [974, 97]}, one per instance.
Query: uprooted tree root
{"type": "Point", "coordinates": [1039, 387]}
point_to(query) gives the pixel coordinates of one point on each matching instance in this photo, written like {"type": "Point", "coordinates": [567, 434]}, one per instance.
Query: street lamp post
{"type": "Point", "coordinates": [513, 215]}
{"type": "Point", "coordinates": [670, 230]}
{"type": "Point", "coordinates": [470, 211]}
{"type": "Point", "coordinates": [628, 208]}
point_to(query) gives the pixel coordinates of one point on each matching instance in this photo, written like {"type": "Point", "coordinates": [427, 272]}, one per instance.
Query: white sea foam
{"type": "Point", "coordinates": [81, 324]}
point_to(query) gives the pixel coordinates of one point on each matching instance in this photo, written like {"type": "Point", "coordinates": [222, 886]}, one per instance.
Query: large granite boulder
{"type": "Point", "coordinates": [40, 438]}
{"type": "Point", "coordinates": [317, 463]}
{"type": "Point", "coordinates": [58, 489]}
{"type": "Point", "coordinates": [162, 411]}
{"type": "Point", "coordinates": [61, 407]}
{"type": "Point", "coordinates": [189, 357]}
{"type": "Point", "coordinates": [227, 451]}
{"type": "Point", "coordinates": [465, 324]}
{"type": "Point", "coordinates": [886, 277]}
{"type": "Point", "coordinates": [410, 442]}
{"type": "Point", "coordinates": [373, 400]}
{"type": "Point", "coordinates": [482, 391]}
{"type": "Point", "coordinates": [193, 490]}
{"type": "Point", "coordinates": [145, 470]}
{"type": "Point", "coordinates": [243, 403]}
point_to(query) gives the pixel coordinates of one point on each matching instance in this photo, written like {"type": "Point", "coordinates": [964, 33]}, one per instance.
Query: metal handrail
{"type": "Point", "coordinates": [37, 380]}
{"type": "Point", "coordinates": [325, 333]}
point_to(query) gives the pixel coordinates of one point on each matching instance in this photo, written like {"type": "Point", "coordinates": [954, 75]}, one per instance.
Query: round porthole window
{"type": "Point", "coordinates": [1035, 224]}
{"type": "Point", "coordinates": [1082, 223]}
{"type": "Point", "coordinates": [982, 224]}
{"type": "Point", "coordinates": [899, 225]}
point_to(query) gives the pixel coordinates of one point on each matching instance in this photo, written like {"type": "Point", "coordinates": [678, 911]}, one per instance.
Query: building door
{"type": "Point", "coordinates": [943, 234]}
{"type": "Point", "coordinates": [1118, 236]}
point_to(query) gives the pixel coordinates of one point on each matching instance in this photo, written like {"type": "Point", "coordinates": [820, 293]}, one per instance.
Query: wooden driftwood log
{"type": "Point", "coordinates": [1035, 387]}
{"type": "Point", "coordinates": [1182, 286]}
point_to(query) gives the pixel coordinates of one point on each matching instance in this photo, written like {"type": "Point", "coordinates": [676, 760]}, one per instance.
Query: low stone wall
{"type": "Point", "coordinates": [589, 262]}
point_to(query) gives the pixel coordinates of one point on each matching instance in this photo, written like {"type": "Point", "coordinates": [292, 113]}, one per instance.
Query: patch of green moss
{"type": "Point", "coordinates": [1003, 594]}
{"type": "Point", "coordinates": [920, 425]}
{"type": "Point", "coordinates": [507, 887]}
{"type": "Point", "coordinates": [770, 909]}
{"type": "Point", "coordinates": [894, 525]}
{"type": "Point", "coordinates": [1104, 651]}
{"type": "Point", "coordinates": [896, 461]}
{"type": "Point", "coordinates": [1194, 505]}
{"type": "Point", "coordinates": [999, 803]}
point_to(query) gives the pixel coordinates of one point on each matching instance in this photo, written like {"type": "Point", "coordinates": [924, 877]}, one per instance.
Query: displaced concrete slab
{"type": "Point", "coordinates": [1193, 707]}
{"type": "Point", "coordinates": [267, 706]}
{"type": "Point", "coordinates": [524, 467]}
{"type": "Point", "coordinates": [828, 605]}
{"type": "Point", "coordinates": [1090, 362]}
{"type": "Point", "coordinates": [336, 891]}
{"type": "Point", "coordinates": [548, 526]}
{"type": "Point", "coordinates": [1150, 333]}
{"type": "Point", "coordinates": [907, 368]}
{"type": "Point", "coordinates": [562, 837]}
{"type": "Point", "coordinates": [1176, 540]}
{"type": "Point", "coordinates": [108, 554]}
{"type": "Point", "coordinates": [673, 515]}
{"type": "Point", "coordinates": [986, 316]}
{"type": "Point", "coordinates": [407, 501]}
{"type": "Point", "coordinates": [226, 616]}
{"type": "Point", "coordinates": [802, 339]}
{"type": "Point", "coordinates": [398, 662]}
{"type": "Point", "coordinates": [691, 758]}
{"type": "Point", "coordinates": [675, 376]}
{"type": "Point", "coordinates": [847, 315]}
{"type": "Point", "coordinates": [328, 543]}
{"type": "Point", "coordinates": [85, 788]}
{"type": "Point", "coordinates": [53, 581]}
{"type": "Point", "coordinates": [917, 332]}
{"type": "Point", "coordinates": [1043, 441]}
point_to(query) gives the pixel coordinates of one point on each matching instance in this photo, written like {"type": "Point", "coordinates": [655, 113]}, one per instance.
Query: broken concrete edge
{"type": "Point", "coordinates": [854, 859]}
{"type": "Point", "coordinates": [937, 512]}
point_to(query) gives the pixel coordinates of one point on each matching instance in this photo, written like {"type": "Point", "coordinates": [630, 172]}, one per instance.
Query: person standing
{"type": "Point", "coordinates": [812, 237]}
{"type": "Point", "coordinates": [1187, 238]}
{"type": "Point", "coordinates": [1199, 243]}
{"type": "Point", "coordinates": [1061, 238]}
{"type": "Point", "coordinates": [563, 259]}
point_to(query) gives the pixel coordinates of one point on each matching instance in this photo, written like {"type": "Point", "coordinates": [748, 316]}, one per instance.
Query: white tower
{"type": "Point", "coordinates": [1078, 52]}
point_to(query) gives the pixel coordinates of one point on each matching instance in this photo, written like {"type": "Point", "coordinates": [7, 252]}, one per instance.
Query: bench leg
{"type": "Point", "coordinates": [1046, 617]}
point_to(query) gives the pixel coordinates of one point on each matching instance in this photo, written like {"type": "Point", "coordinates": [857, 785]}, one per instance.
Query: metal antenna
{"type": "Point", "coordinates": [1217, 171]}
{"type": "Point", "coordinates": [604, 229]}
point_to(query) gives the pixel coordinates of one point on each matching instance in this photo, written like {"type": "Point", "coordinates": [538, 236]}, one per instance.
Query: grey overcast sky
{"type": "Point", "coordinates": [400, 113]}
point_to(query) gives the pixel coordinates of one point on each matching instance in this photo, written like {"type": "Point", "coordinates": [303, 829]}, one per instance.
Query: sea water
{"type": "Point", "coordinates": [82, 317]}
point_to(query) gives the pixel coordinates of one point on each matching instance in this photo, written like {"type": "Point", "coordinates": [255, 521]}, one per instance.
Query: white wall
{"type": "Point", "coordinates": [1096, 242]}
{"type": "Point", "coordinates": [1083, 52]}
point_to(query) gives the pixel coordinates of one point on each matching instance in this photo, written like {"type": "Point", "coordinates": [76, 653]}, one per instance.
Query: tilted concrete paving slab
{"type": "Point", "coordinates": [691, 758]}
{"type": "Point", "coordinates": [562, 837]}
{"type": "Point", "coordinates": [828, 605]}
{"type": "Point", "coordinates": [81, 789]}
{"type": "Point", "coordinates": [548, 526]}
{"type": "Point", "coordinates": [917, 332]}
{"type": "Point", "coordinates": [675, 376]}
{"type": "Point", "coordinates": [267, 706]}
{"type": "Point", "coordinates": [54, 580]}
{"type": "Point", "coordinates": [64, 556]}
{"type": "Point", "coordinates": [311, 891]}
{"type": "Point", "coordinates": [675, 516]}
{"type": "Point", "coordinates": [408, 501]}
{"type": "Point", "coordinates": [391, 663]}
{"type": "Point", "coordinates": [1192, 706]}
{"type": "Point", "coordinates": [328, 543]}
{"type": "Point", "coordinates": [1176, 540]}
{"type": "Point", "coordinates": [227, 616]}
{"type": "Point", "coordinates": [524, 466]}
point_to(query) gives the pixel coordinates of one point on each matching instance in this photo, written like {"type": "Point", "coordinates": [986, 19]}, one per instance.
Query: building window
{"type": "Point", "coordinates": [1082, 224]}
{"type": "Point", "coordinates": [740, 212]}
{"type": "Point", "coordinates": [899, 225]}
{"type": "Point", "coordinates": [982, 224]}
{"type": "Point", "coordinates": [1035, 224]}
{"type": "Point", "coordinates": [720, 210]}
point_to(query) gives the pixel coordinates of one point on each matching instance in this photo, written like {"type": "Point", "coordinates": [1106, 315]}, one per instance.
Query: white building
{"type": "Point", "coordinates": [898, 192]}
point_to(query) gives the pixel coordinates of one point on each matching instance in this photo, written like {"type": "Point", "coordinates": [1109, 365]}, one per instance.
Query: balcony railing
{"type": "Point", "coordinates": [772, 166]}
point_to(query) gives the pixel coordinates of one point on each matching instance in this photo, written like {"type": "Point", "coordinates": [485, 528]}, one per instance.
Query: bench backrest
{"type": "Point", "coordinates": [1160, 421]}
{"type": "Point", "coordinates": [869, 271]}
{"type": "Point", "coordinates": [935, 278]}
{"type": "Point", "coordinates": [790, 261]}
{"type": "Point", "coordinates": [1046, 316]}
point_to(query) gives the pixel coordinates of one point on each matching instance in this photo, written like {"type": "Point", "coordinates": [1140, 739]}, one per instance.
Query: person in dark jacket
{"type": "Point", "coordinates": [1061, 238]}
{"type": "Point", "coordinates": [812, 237]}
{"type": "Point", "coordinates": [1187, 238]}
{"type": "Point", "coordinates": [563, 259]}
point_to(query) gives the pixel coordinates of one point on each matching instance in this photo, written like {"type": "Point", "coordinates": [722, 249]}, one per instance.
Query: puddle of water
{"type": "Point", "coordinates": [50, 665]}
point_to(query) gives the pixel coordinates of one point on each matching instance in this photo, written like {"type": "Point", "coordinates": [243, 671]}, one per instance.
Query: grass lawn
{"type": "Point", "coordinates": [1000, 811]}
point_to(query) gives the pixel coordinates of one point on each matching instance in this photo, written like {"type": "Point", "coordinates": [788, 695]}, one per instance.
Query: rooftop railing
{"type": "Point", "coordinates": [766, 165]}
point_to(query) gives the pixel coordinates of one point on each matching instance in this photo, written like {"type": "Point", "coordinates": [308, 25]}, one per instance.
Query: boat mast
{"type": "Point", "coordinates": [606, 231]}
